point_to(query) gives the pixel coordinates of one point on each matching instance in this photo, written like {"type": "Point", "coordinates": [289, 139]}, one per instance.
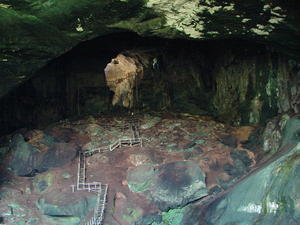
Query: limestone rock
{"type": "Point", "coordinates": [39, 153]}
{"type": "Point", "coordinates": [229, 140]}
{"type": "Point", "coordinates": [24, 156]}
{"type": "Point", "coordinates": [241, 163]}
{"type": "Point", "coordinates": [272, 133]}
{"type": "Point", "coordinates": [269, 88]}
{"type": "Point", "coordinates": [123, 74]}
{"type": "Point", "coordinates": [172, 185]}
{"type": "Point", "coordinates": [268, 196]}
{"type": "Point", "coordinates": [177, 184]}
{"type": "Point", "coordinates": [24, 26]}
{"type": "Point", "coordinates": [57, 205]}
{"type": "Point", "coordinates": [140, 178]}
{"type": "Point", "coordinates": [58, 155]}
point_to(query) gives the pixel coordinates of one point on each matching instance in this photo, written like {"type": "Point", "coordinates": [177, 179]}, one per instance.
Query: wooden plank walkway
{"type": "Point", "coordinates": [102, 189]}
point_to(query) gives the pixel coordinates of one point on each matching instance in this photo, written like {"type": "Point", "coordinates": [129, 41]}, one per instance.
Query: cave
{"type": "Point", "coordinates": [149, 113]}
{"type": "Point", "coordinates": [217, 78]}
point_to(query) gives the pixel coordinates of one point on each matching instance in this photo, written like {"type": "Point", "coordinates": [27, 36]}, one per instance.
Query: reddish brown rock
{"type": "Point", "coordinates": [123, 74]}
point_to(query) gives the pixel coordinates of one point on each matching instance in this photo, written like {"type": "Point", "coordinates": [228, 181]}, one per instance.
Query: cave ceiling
{"type": "Point", "coordinates": [33, 32]}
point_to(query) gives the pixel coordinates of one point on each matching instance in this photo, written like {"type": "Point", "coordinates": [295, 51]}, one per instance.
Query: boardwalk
{"type": "Point", "coordinates": [98, 187]}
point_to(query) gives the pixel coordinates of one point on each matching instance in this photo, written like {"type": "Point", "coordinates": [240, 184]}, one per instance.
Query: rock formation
{"type": "Point", "coordinates": [123, 74]}
{"type": "Point", "coordinates": [268, 196]}
{"type": "Point", "coordinates": [235, 61]}
{"type": "Point", "coordinates": [43, 30]}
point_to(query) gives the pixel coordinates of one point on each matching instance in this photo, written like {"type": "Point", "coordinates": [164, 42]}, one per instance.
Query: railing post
{"type": "Point", "coordinates": [133, 128]}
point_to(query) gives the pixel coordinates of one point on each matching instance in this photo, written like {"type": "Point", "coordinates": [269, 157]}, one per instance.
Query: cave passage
{"type": "Point", "coordinates": [235, 81]}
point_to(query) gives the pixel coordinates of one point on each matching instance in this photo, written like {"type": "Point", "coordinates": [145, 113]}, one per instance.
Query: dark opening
{"type": "Point", "coordinates": [182, 80]}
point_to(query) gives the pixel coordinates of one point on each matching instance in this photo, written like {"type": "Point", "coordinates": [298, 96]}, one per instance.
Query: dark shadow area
{"type": "Point", "coordinates": [73, 85]}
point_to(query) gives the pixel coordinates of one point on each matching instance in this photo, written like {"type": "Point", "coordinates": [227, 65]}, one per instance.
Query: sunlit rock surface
{"type": "Point", "coordinates": [123, 75]}
{"type": "Point", "coordinates": [34, 32]}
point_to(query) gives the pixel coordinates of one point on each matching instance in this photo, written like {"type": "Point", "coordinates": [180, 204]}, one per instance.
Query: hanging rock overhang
{"type": "Point", "coordinates": [35, 32]}
{"type": "Point", "coordinates": [124, 73]}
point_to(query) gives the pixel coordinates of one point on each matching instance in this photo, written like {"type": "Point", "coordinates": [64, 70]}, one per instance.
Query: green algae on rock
{"type": "Point", "coordinates": [277, 201]}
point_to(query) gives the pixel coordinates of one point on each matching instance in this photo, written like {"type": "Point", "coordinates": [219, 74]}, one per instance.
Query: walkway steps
{"type": "Point", "coordinates": [102, 189]}
{"type": "Point", "coordinates": [81, 169]}
{"type": "Point", "coordinates": [100, 206]}
{"type": "Point", "coordinates": [112, 147]}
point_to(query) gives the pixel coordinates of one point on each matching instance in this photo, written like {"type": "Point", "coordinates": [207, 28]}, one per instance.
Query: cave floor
{"type": "Point", "coordinates": [167, 138]}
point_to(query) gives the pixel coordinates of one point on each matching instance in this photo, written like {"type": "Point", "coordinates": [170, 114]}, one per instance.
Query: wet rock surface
{"type": "Point", "coordinates": [171, 180]}
{"type": "Point", "coordinates": [269, 195]}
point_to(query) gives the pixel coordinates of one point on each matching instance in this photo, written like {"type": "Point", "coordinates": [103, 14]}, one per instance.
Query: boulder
{"type": "Point", "coordinates": [140, 179]}
{"type": "Point", "coordinates": [24, 157]}
{"type": "Point", "coordinates": [58, 155]}
{"type": "Point", "coordinates": [170, 186]}
{"type": "Point", "coordinates": [229, 140]}
{"type": "Point", "coordinates": [60, 205]}
{"type": "Point", "coordinates": [177, 184]}
{"type": "Point", "coordinates": [241, 163]}
{"type": "Point", "coordinates": [270, 195]}
{"type": "Point", "coordinates": [39, 153]}
{"type": "Point", "coordinates": [272, 134]}
{"type": "Point", "coordinates": [123, 74]}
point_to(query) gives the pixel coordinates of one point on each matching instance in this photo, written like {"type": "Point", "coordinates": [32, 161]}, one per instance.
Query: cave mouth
{"type": "Point", "coordinates": [234, 81]}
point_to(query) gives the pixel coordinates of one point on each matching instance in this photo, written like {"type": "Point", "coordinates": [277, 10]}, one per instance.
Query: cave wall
{"type": "Point", "coordinates": [236, 81]}
{"type": "Point", "coordinates": [36, 32]}
{"type": "Point", "coordinates": [66, 88]}
{"type": "Point", "coordinates": [253, 88]}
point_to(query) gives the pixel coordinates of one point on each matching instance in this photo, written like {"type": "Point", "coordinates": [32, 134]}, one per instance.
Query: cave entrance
{"type": "Point", "coordinates": [233, 80]}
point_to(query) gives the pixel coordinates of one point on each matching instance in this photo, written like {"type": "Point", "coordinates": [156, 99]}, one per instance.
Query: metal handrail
{"type": "Point", "coordinates": [97, 186]}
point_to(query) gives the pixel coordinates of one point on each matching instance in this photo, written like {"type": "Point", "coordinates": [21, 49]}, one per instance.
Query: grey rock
{"type": "Point", "coordinates": [177, 184]}
{"type": "Point", "coordinates": [229, 140]}
{"type": "Point", "coordinates": [270, 195]}
{"type": "Point", "coordinates": [66, 208]}
{"type": "Point", "coordinates": [170, 186]}
{"type": "Point", "coordinates": [27, 160]}
{"type": "Point", "coordinates": [149, 219]}
{"type": "Point", "coordinates": [24, 156]}
{"type": "Point", "coordinates": [58, 155]}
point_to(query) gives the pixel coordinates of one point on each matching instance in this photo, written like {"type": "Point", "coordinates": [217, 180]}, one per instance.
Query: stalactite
{"type": "Point", "coordinates": [123, 75]}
